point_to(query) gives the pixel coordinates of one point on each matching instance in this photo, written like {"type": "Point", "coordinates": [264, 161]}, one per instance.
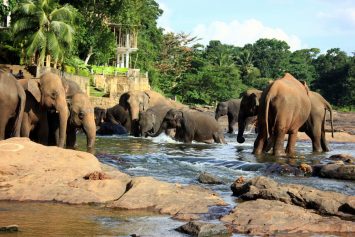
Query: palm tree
{"type": "Point", "coordinates": [44, 27]}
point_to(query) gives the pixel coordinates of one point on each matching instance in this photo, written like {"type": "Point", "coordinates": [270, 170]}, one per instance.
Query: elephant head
{"type": "Point", "coordinates": [50, 93]}
{"type": "Point", "coordinates": [249, 107]}
{"type": "Point", "coordinates": [82, 116]}
{"type": "Point", "coordinates": [173, 120]}
{"type": "Point", "coordinates": [221, 110]}
{"type": "Point", "coordinates": [100, 115]}
{"type": "Point", "coordinates": [147, 120]}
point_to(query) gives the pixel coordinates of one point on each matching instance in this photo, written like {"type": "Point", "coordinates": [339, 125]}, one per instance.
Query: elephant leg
{"type": "Point", "coordinates": [218, 138]}
{"type": "Point", "coordinates": [71, 138]}
{"type": "Point", "coordinates": [279, 142]}
{"type": "Point", "coordinates": [25, 126]}
{"type": "Point", "coordinates": [231, 122]}
{"type": "Point", "coordinates": [291, 143]}
{"type": "Point", "coordinates": [324, 142]}
{"type": "Point", "coordinates": [317, 134]}
{"type": "Point", "coordinates": [43, 132]}
{"type": "Point", "coordinates": [5, 116]}
{"type": "Point", "coordinates": [259, 144]}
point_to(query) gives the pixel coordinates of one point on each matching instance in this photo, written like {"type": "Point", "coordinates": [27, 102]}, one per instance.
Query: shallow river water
{"type": "Point", "coordinates": [166, 160]}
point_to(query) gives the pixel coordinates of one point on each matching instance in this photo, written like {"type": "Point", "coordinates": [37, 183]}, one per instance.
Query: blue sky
{"type": "Point", "coordinates": [321, 24]}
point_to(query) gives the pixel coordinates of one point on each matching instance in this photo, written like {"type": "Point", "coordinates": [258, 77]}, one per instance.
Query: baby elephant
{"type": "Point", "coordinates": [191, 125]}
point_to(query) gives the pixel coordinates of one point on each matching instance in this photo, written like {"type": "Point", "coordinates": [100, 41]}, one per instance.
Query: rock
{"type": "Point", "coordinates": [323, 202]}
{"type": "Point", "coordinates": [203, 229]}
{"type": "Point", "coordinates": [9, 229]}
{"type": "Point", "coordinates": [282, 169]}
{"type": "Point", "coordinates": [30, 171]}
{"type": "Point", "coordinates": [337, 171]}
{"type": "Point", "coordinates": [207, 178]}
{"type": "Point", "coordinates": [305, 168]}
{"type": "Point", "coordinates": [237, 185]}
{"type": "Point", "coordinates": [270, 217]}
{"type": "Point", "coordinates": [346, 158]}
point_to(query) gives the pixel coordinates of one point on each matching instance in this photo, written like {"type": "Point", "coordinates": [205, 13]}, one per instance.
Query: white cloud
{"type": "Point", "coordinates": [240, 33]}
{"type": "Point", "coordinates": [342, 18]}
{"type": "Point", "coordinates": [164, 20]}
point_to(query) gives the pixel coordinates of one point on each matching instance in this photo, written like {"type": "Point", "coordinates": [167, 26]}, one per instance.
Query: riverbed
{"type": "Point", "coordinates": [166, 160]}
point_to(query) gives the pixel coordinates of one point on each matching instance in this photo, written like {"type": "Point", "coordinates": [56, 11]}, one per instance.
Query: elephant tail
{"type": "Point", "coordinates": [267, 104]}
{"type": "Point", "coordinates": [329, 107]}
{"type": "Point", "coordinates": [21, 109]}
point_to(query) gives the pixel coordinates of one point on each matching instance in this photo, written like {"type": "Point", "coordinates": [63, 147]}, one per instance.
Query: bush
{"type": "Point", "coordinates": [108, 70]}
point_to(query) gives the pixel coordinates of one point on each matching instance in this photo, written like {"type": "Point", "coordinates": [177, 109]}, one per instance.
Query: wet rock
{"type": "Point", "coordinates": [9, 229]}
{"type": "Point", "coordinates": [340, 166]}
{"type": "Point", "coordinates": [30, 171]}
{"type": "Point", "coordinates": [269, 217]}
{"type": "Point", "coordinates": [346, 158]}
{"type": "Point", "coordinates": [207, 178]}
{"type": "Point", "coordinates": [282, 169]}
{"type": "Point", "coordinates": [323, 202]}
{"type": "Point", "coordinates": [237, 186]}
{"type": "Point", "coordinates": [204, 229]}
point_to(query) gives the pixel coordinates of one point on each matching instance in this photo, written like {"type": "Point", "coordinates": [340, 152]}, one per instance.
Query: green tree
{"type": "Point", "coordinates": [271, 57]}
{"type": "Point", "coordinates": [45, 29]}
{"type": "Point", "coordinates": [333, 80]}
{"type": "Point", "coordinates": [301, 64]}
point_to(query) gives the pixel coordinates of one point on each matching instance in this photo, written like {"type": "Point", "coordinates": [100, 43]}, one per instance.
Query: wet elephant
{"type": "Point", "coordinates": [151, 119]}
{"type": "Point", "coordinates": [138, 101]}
{"type": "Point", "coordinates": [315, 124]}
{"type": "Point", "coordinates": [47, 94]}
{"type": "Point", "coordinates": [81, 117]}
{"type": "Point", "coordinates": [115, 115]}
{"type": "Point", "coordinates": [231, 109]}
{"type": "Point", "coordinates": [190, 126]}
{"type": "Point", "coordinates": [249, 107]}
{"type": "Point", "coordinates": [12, 105]}
{"type": "Point", "coordinates": [284, 107]}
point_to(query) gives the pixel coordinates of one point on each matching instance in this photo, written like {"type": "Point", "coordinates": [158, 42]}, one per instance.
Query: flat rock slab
{"type": "Point", "coordinates": [270, 217]}
{"type": "Point", "coordinates": [203, 229]}
{"type": "Point", "coordinates": [30, 171]}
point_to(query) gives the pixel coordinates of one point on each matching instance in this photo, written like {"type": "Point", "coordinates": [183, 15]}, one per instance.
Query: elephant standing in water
{"type": "Point", "coordinates": [151, 119]}
{"type": "Point", "coordinates": [249, 107]}
{"type": "Point", "coordinates": [115, 115]}
{"type": "Point", "coordinates": [231, 109]}
{"type": "Point", "coordinates": [45, 95]}
{"type": "Point", "coordinates": [192, 126]}
{"type": "Point", "coordinates": [12, 105]}
{"type": "Point", "coordinates": [284, 107]}
{"type": "Point", "coordinates": [315, 124]}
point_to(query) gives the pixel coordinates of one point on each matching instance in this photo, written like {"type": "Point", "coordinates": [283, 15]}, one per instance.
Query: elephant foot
{"type": "Point", "coordinates": [240, 139]}
{"type": "Point", "coordinates": [279, 153]}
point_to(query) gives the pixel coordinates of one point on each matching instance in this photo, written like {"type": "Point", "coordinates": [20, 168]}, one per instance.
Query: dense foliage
{"type": "Point", "coordinates": [77, 33]}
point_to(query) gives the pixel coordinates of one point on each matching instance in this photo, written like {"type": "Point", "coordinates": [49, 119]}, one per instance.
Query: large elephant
{"type": "Point", "coordinates": [81, 117]}
{"type": "Point", "coordinates": [315, 124]}
{"type": "Point", "coordinates": [249, 107]}
{"type": "Point", "coordinates": [48, 95]}
{"type": "Point", "coordinates": [231, 109]}
{"type": "Point", "coordinates": [191, 126]}
{"type": "Point", "coordinates": [284, 107]}
{"type": "Point", "coordinates": [12, 105]}
{"type": "Point", "coordinates": [137, 101]}
{"type": "Point", "coordinates": [151, 119]}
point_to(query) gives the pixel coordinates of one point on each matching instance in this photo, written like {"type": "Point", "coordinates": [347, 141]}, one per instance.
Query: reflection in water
{"type": "Point", "coordinates": [166, 160]}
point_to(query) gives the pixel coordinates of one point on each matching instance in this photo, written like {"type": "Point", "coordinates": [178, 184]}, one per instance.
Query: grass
{"type": "Point", "coordinates": [96, 92]}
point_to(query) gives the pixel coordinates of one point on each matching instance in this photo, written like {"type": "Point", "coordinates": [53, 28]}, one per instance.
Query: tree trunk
{"type": "Point", "coordinates": [89, 55]}
{"type": "Point", "coordinates": [48, 60]}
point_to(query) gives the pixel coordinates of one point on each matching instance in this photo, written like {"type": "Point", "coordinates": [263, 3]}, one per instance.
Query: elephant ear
{"type": "Point", "coordinates": [33, 86]}
{"type": "Point", "coordinates": [179, 118]}
{"type": "Point", "coordinates": [255, 99]}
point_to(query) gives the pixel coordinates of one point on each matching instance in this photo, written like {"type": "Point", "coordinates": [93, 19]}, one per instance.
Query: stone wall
{"type": "Point", "coordinates": [103, 102]}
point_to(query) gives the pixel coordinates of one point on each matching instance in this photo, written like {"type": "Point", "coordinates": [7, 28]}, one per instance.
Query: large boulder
{"type": "Point", "coordinates": [323, 202]}
{"type": "Point", "coordinates": [30, 171]}
{"type": "Point", "coordinates": [340, 166]}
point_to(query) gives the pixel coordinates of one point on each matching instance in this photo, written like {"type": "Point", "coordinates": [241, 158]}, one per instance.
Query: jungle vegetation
{"type": "Point", "coordinates": [75, 34]}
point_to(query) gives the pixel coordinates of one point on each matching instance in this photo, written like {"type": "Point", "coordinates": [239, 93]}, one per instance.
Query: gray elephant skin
{"type": "Point", "coordinates": [191, 126]}
{"type": "Point", "coordinates": [116, 115]}
{"type": "Point", "coordinates": [12, 105]}
{"type": "Point", "coordinates": [151, 120]}
{"type": "Point", "coordinates": [231, 109]}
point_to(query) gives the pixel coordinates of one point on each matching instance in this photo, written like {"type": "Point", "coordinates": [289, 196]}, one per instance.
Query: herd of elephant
{"type": "Point", "coordinates": [51, 110]}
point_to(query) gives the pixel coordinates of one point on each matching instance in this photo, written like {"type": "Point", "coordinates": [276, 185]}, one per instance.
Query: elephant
{"type": "Point", "coordinates": [231, 109]}
{"type": "Point", "coordinates": [12, 105]}
{"type": "Point", "coordinates": [191, 126]}
{"type": "Point", "coordinates": [137, 101]}
{"type": "Point", "coordinates": [315, 124]}
{"type": "Point", "coordinates": [81, 117]}
{"type": "Point", "coordinates": [249, 107]}
{"type": "Point", "coordinates": [107, 128]}
{"type": "Point", "coordinates": [151, 119]}
{"type": "Point", "coordinates": [284, 107]}
{"type": "Point", "coordinates": [115, 115]}
{"type": "Point", "coordinates": [45, 95]}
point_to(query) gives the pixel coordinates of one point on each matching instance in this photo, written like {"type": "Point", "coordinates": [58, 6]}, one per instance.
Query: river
{"type": "Point", "coordinates": [166, 160]}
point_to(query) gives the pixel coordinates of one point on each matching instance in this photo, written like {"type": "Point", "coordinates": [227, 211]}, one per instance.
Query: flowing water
{"type": "Point", "coordinates": [166, 160]}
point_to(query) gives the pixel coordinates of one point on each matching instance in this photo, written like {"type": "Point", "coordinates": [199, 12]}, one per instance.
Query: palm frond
{"type": "Point", "coordinates": [63, 31]}
{"type": "Point", "coordinates": [26, 7]}
{"type": "Point", "coordinates": [53, 45]}
{"type": "Point", "coordinates": [37, 43]}
{"type": "Point", "coordinates": [23, 24]}
{"type": "Point", "coordinates": [65, 14]}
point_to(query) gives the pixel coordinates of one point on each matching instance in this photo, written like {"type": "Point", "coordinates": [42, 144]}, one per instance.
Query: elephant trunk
{"type": "Point", "coordinates": [162, 128]}
{"type": "Point", "coordinates": [217, 115]}
{"type": "Point", "coordinates": [241, 128]}
{"type": "Point", "coordinates": [21, 108]}
{"type": "Point", "coordinates": [90, 131]}
{"type": "Point", "coordinates": [63, 120]}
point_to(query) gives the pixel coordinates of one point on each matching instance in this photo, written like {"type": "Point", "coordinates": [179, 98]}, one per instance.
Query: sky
{"type": "Point", "coordinates": [322, 24]}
